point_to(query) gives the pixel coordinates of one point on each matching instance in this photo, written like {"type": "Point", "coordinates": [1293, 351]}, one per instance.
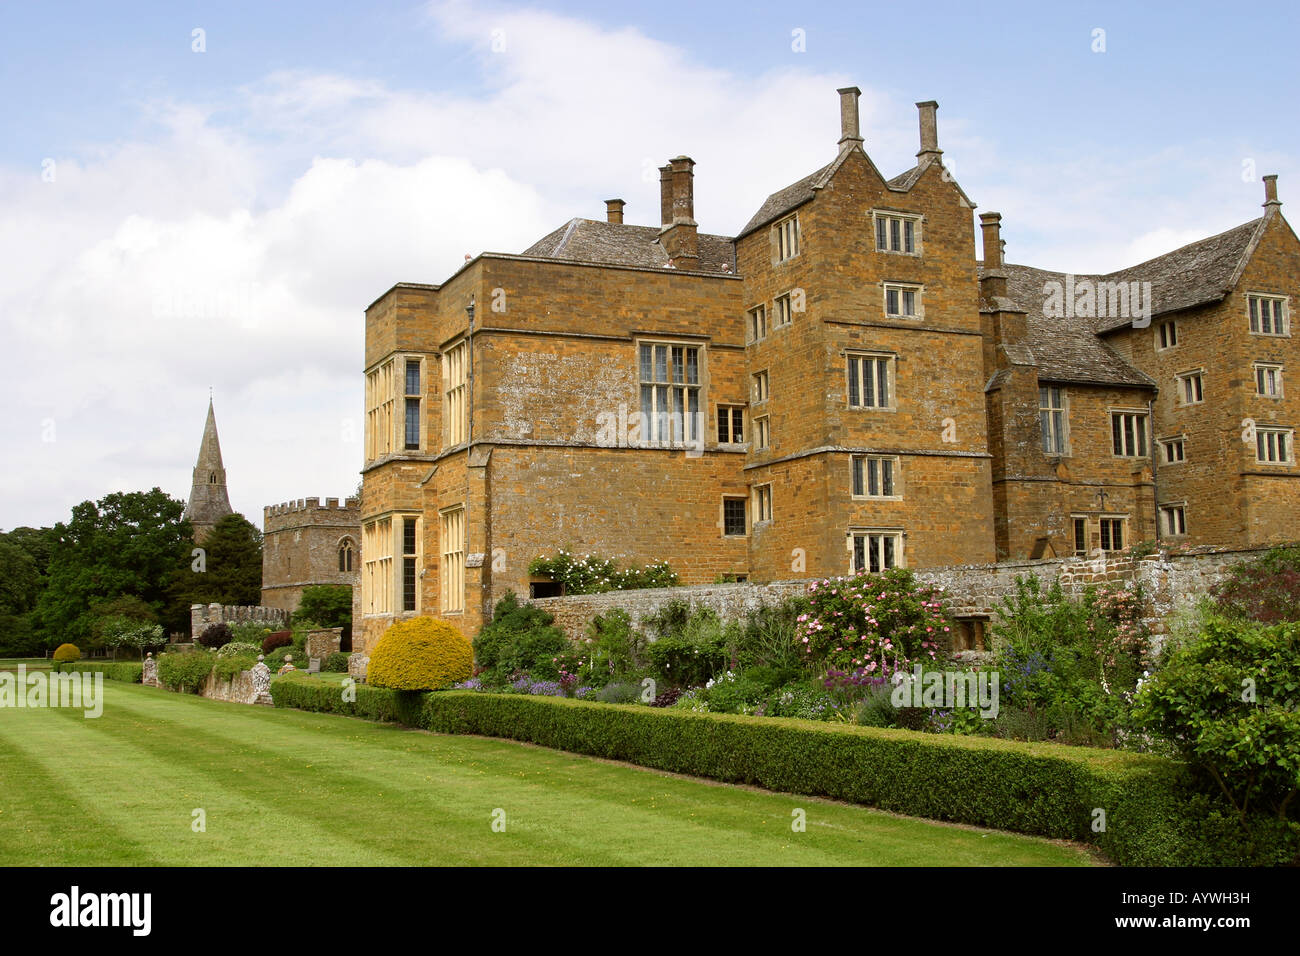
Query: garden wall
{"type": "Point", "coordinates": [1171, 581]}
{"type": "Point", "coordinates": [201, 615]}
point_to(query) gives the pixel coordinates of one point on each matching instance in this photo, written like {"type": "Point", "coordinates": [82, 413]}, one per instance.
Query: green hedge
{"type": "Point", "coordinates": [129, 671]}
{"type": "Point", "coordinates": [1153, 817]}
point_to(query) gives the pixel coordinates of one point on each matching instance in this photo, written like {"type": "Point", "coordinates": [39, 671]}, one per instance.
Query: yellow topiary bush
{"type": "Point", "coordinates": [67, 652]}
{"type": "Point", "coordinates": [422, 653]}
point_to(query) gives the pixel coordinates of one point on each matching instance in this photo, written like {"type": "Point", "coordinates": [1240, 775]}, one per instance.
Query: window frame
{"type": "Point", "coordinates": [455, 394]}
{"type": "Point", "coordinates": [762, 432]}
{"type": "Point", "coordinates": [897, 535]}
{"type": "Point", "coordinates": [1140, 414]}
{"type": "Point", "coordinates": [1166, 443]}
{"type": "Point", "coordinates": [1168, 512]}
{"type": "Point", "coordinates": [690, 437]}
{"type": "Point", "coordinates": [1258, 369]}
{"type": "Point", "coordinates": [891, 380]}
{"type": "Point", "coordinates": [1061, 432]}
{"type": "Point", "coordinates": [1077, 521]}
{"type": "Point", "coordinates": [902, 288]}
{"type": "Point", "coordinates": [1252, 316]}
{"type": "Point", "coordinates": [760, 386]}
{"type": "Point", "coordinates": [744, 507]}
{"type": "Point", "coordinates": [895, 477]}
{"type": "Point", "coordinates": [756, 321]}
{"type": "Point", "coordinates": [1261, 432]}
{"type": "Point", "coordinates": [786, 237]}
{"type": "Point", "coordinates": [1105, 525]}
{"type": "Point", "coordinates": [763, 504]}
{"type": "Point", "coordinates": [1192, 380]}
{"type": "Point", "coordinates": [887, 217]}
{"type": "Point", "coordinates": [451, 562]}
{"type": "Point", "coordinates": [782, 311]}
{"type": "Point", "coordinates": [731, 410]}
{"type": "Point", "coordinates": [1172, 325]}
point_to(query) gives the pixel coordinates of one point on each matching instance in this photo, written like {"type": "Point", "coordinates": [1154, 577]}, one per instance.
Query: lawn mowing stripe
{"type": "Point", "coordinates": [156, 788]}
{"type": "Point", "coordinates": [426, 798]}
{"type": "Point", "coordinates": [54, 828]}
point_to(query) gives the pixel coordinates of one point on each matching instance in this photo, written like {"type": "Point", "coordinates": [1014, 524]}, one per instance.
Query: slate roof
{"type": "Point", "coordinates": [784, 200]}
{"type": "Point", "coordinates": [1195, 274]}
{"type": "Point", "coordinates": [590, 240]}
{"type": "Point", "coordinates": [1065, 349]}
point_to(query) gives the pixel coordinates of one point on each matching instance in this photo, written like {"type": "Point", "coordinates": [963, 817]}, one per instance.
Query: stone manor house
{"type": "Point", "coordinates": [844, 384]}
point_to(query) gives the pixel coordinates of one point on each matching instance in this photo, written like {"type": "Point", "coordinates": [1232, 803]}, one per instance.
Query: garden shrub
{"type": "Point", "coordinates": [880, 623]}
{"type": "Point", "coordinates": [614, 649]}
{"type": "Point", "coordinates": [691, 646]}
{"type": "Point", "coordinates": [130, 672]}
{"type": "Point", "coordinates": [216, 635]}
{"type": "Point", "coordinates": [276, 639]}
{"type": "Point", "coordinates": [1265, 589]}
{"type": "Point", "coordinates": [520, 639]}
{"type": "Point", "coordinates": [768, 637]}
{"type": "Point", "coordinates": [239, 649]}
{"type": "Point", "coordinates": [336, 662]}
{"type": "Point", "coordinates": [250, 632]}
{"type": "Point", "coordinates": [803, 701]}
{"type": "Point", "coordinates": [67, 652]}
{"type": "Point", "coordinates": [228, 667]}
{"type": "Point", "coordinates": [594, 575]}
{"type": "Point", "coordinates": [734, 693]}
{"type": "Point", "coordinates": [620, 693]}
{"type": "Point", "coordinates": [1228, 702]}
{"type": "Point", "coordinates": [186, 670]}
{"type": "Point", "coordinates": [299, 691]}
{"type": "Point", "coordinates": [421, 653]}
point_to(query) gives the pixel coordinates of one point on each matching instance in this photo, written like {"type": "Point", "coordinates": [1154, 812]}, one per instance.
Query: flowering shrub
{"type": "Point", "coordinates": [239, 649]}
{"type": "Point", "coordinates": [591, 574]}
{"type": "Point", "coordinates": [1265, 589]}
{"type": "Point", "coordinates": [804, 702]}
{"type": "Point", "coordinates": [1120, 637]}
{"type": "Point", "coordinates": [877, 623]}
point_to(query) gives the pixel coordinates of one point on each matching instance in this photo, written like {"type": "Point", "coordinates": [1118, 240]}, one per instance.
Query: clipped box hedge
{"type": "Point", "coordinates": [1153, 817]}
{"type": "Point", "coordinates": [130, 671]}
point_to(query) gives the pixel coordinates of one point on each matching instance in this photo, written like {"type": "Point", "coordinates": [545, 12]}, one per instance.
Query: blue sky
{"type": "Point", "coordinates": [222, 218]}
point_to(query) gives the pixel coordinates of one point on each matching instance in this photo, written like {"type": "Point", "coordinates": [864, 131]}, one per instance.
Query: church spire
{"type": "Point", "coordinates": [208, 502]}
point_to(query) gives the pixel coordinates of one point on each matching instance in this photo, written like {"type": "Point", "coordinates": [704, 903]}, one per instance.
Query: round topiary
{"type": "Point", "coordinates": [422, 653]}
{"type": "Point", "coordinates": [67, 652]}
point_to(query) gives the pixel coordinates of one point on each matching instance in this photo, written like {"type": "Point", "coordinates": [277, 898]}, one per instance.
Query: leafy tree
{"type": "Point", "coordinates": [127, 543]}
{"type": "Point", "coordinates": [230, 571]}
{"type": "Point", "coordinates": [325, 605]}
{"type": "Point", "coordinates": [20, 587]}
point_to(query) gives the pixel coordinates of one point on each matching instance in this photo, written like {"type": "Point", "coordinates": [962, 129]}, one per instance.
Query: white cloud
{"type": "Point", "coordinates": [238, 247]}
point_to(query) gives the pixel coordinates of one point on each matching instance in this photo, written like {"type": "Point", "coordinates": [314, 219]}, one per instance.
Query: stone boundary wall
{"type": "Point", "coordinates": [238, 690]}
{"type": "Point", "coordinates": [1171, 582]}
{"type": "Point", "coordinates": [201, 615]}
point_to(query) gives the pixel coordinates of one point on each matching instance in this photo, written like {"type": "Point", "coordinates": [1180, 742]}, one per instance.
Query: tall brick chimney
{"type": "Point", "coordinates": [929, 131]}
{"type": "Point", "coordinates": [849, 129]}
{"type": "Point", "coordinates": [1271, 201]}
{"type": "Point", "coordinates": [680, 232]}
{"type": "Point", "coordinates": [614, 210]}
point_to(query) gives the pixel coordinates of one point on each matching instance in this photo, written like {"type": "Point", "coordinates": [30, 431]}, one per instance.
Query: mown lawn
{"type": "Point", "coordinates": [283, 787]}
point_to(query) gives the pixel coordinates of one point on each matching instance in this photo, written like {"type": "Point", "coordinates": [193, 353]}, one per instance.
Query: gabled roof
{"type": "Point", "coordinates": [786, 200]}
{"type": "Point", "coordinates": [1195, 274]}
{"type": "Point", "coordinates": [1065, 349]}
{"type": "Point", "coordinates": [590, 240]}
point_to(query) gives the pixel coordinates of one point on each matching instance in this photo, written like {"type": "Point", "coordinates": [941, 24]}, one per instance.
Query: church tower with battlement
{"type": "Point", "coordinates": [208, 502]}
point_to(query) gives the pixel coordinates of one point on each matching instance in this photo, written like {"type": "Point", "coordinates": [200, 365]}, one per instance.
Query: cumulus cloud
{"type": "Point", "coordinates": [238, 245]}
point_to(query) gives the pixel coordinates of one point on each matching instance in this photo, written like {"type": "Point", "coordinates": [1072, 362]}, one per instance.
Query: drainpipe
{"type": "Point", "coordinates": [1155, 467]}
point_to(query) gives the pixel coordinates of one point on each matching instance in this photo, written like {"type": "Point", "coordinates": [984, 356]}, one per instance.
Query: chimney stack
{"type": "Point", "coordinates": [991, 227]}
{"type": "Point", "coordinates": [614, 211]}
{"type": "Point", "coordinates": [680, 233]}
{"type": "Point", "coordinates": [929, 131]}
{"type": "Point", "coordinates": [849, 130]}
{"type": "Point", "coordinates": [666, 195]}
{"type": "Point", "coordinates": [1271, 201]}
